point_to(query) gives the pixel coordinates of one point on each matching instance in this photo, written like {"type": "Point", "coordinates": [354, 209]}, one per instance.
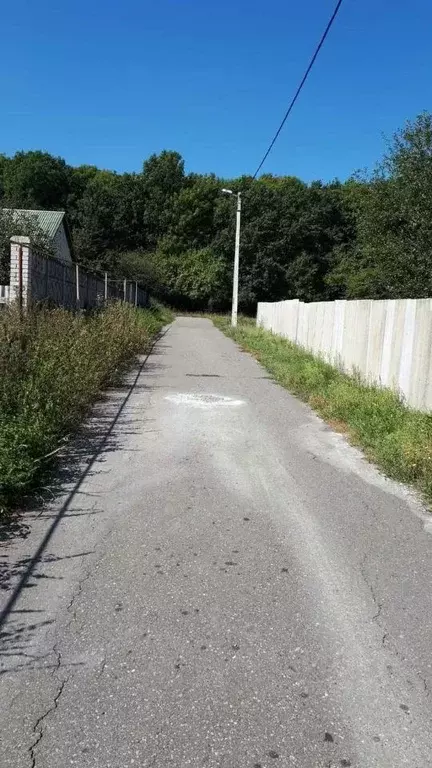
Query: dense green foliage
{"type": "Point", "coordinates": [398, 439]}
{"type": "Point", "coordinates": [391, 256]}
{"type": "Point", "coordinates": [370, 236]}
{"type": "Point", "coordinates": [52, 366]}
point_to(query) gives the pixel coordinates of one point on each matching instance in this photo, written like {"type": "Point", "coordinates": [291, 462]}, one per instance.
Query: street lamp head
{"type": "Point", "coordinates": [227, 191]}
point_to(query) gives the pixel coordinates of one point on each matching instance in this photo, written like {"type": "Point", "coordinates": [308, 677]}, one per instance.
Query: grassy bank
{"type": "Point", "coordinates": [53, 364]}
{"type": "Point", "coordinates": [396, 438]}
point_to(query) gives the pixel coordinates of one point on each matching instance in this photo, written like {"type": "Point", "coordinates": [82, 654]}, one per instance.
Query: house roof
{"type": "Point", "coordinates": [49, 221]}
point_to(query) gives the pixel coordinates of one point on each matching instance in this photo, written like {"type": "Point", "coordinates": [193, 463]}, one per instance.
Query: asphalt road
{"type": "Point", "coordinates": [221, 583]}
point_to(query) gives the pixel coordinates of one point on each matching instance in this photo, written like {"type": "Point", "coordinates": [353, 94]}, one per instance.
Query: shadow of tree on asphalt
{"type": "Point", "coordinates": [104, 432]}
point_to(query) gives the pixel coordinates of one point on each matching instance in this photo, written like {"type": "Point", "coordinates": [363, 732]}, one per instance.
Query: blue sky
{"type": "Point", "coordinates": [110, 82]}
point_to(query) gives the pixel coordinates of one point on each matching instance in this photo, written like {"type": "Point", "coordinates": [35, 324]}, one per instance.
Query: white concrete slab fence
{"type": "Point", "coordinates": [387, 342]}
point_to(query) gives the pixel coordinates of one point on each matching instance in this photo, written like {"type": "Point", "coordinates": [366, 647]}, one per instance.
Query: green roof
{"type": "Point", "coordinates": [49, 221]}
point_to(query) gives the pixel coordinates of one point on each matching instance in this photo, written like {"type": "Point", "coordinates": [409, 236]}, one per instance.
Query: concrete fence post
{"type": "Point", "coordinates": [77, 283]}
{"type": "Point", "coordinates": [46, 278]}
{"type": "Point", "coordinates": [64, 286]}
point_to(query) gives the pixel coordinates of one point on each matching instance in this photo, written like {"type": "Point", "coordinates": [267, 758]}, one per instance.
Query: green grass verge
{"type": "Point", "coordinates": [396, 438]}
{"type": "Point", "coordinates": [53, 365]}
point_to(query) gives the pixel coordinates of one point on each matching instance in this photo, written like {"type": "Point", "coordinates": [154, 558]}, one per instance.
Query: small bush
{"type": "Point", "coordinates": [397, 438]}
{"type": "Point", "coordinates": [53, 364]}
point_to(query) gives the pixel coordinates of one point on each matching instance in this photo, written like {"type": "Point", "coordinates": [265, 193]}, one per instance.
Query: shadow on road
{"type": "Point", "coordinates": [101, 434]}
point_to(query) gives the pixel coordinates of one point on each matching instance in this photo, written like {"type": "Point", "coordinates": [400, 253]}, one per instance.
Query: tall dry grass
{"type": "Point", "coordinates": [53, 364]}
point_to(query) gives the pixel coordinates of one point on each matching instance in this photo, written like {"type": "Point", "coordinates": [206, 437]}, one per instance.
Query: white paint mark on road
{"type": "Point", "coordinates": [203, 401]}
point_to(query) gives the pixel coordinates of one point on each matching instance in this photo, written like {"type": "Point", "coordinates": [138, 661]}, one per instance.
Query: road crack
{"type": "Point", "coordinates": [38, 728]}
{"type": "Point", "coordinates": [70, 608]}
{"type": "Point", "coordinates": [378, 604]}
{"type": "Point", "coordinates": [76, 595]}
{"type": "Point", "coordinates": [387, 641]}
{"type": "Point", "coordinates": [102, 667]}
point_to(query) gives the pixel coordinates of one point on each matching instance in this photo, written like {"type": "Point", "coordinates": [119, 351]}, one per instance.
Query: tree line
{"type": "Point", "coordinates": [368, 237]}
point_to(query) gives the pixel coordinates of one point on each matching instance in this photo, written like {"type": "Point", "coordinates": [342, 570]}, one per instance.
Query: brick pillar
{"type": "Point", "coordinates": [24, 242]}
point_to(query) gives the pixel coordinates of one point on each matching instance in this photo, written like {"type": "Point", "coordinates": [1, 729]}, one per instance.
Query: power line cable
{"type": "Point", "coordinates": [299, 89]}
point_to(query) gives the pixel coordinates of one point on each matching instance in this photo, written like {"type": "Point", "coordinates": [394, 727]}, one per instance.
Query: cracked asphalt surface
{"type": "Point", "coordinates": [220, 582]}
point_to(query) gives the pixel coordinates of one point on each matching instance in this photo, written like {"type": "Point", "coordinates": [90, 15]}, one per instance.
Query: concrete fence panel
{"type": "Point", "coordinates": [375, 340]}
{"type": "Point", "coordinates": [336, 343]}
{"type": "Point", "coordinates": [419, 373]}
{"type": "Point", "coordinates": [388, 342]}
{"type": "Point", "coordinates": [313, 335]}
{"type": "Point", "coordinates": [356, 327]}
{"type": "Point", "coordinates": [396, 343]}
{"type": "Point", "coordinates": [65, 285]}
{"type": "Point", "coordinates": [326, 322]}
{"type": "Point", "coordinates": [301, 338]}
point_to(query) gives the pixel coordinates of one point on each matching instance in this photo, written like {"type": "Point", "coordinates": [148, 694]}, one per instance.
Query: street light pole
{"type": "Point", "coordinates": [234, 310]}
{"type": "Point", "coordinates": [236, 264]}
